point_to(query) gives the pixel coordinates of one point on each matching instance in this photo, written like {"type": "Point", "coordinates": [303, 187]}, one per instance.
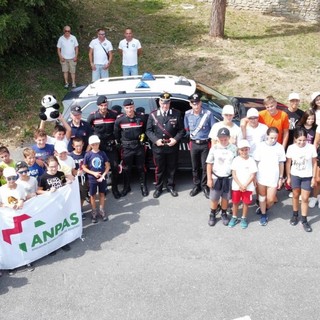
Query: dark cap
{"type": "Point", "coordinates": [195, 97]}
{"type": "Point", "coordinates": [76, 110]}
{"type": "Point", "coordinates": [21, 164]}
{"type": "Point", "coordinates": [223, 132]}
{"type": "Point", "coordinates": [102, 99]}
{"type": "Point", "coordinates": [165, 97]}
{"type": "Point", "coordinates": [128, 102]}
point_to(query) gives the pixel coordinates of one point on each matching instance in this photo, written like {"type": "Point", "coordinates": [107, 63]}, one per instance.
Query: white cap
{"type": "Point", "coordinates": [293, 96]}
{"type": "Point", "coordinates": [9, 172]}
{"type": "Point", "coordinates": [228, 109]}
{"type": "Point", "coordinates": [252, 112]}
{"type": "Point", "coordinates": [314, 95]}
{"type": "Point", "coordinates": [94, 139]}
{"type": "Point", "coordinates": [243, 144]}
{"type": "Point", "coordinates": [60, 147]}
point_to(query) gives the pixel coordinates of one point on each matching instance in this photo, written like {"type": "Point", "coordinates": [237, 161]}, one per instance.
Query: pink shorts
{"type": "Point", "coordinates": [245, 196]}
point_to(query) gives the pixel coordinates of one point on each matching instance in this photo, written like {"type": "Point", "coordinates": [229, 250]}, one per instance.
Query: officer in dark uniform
{"type": "Point", "coordinates": [102, 121]}
{"type": "Point", "coordinates": [165, 130]}
{"type": "Point", "coordinates": [130, 128]}
{"type": "Point", "coordinates": [198, 122]}
{"type": "Point", "coordinates": [79, 128]}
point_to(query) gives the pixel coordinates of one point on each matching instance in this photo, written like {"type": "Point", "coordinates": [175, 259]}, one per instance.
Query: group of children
{"type": "Point", "coordinates": [262, 165]}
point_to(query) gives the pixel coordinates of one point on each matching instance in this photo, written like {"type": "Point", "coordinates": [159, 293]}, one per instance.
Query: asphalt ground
{"type": "Point", "coordinates": [159, 259]}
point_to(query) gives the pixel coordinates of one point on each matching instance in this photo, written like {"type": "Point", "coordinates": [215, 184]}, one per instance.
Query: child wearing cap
{"type": "Point", "coordinates": [5, 162]}
{"type": "Point", "coordinates": [228, 115]}
{"type": "Point", "coordinates": [255, 132]}
{"type": "Point", "coordinates": [29, 183]}
{"type": "Point", "coordinates": [12, 195]}
{"type": "Point", "coordinates": [66, 163]}
{"type": "Point", "coordinates": [270, 157]}
{"type": "Point", "coordinates": [219, 162]}
{"type": "Point", "coordinates": [96, 164]}
{"type": "Point", "coordinates": [244, 170]}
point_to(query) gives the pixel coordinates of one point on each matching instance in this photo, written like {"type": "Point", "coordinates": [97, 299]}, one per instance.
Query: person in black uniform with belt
{"type": "Point", "coordinates": [198, 123]}
{"type": "Point", "coordinates": [102, 121]}
{"type": "Point", "coordinates": [165, 130]}
{"type": "Point", "coordinates": [130, 128]}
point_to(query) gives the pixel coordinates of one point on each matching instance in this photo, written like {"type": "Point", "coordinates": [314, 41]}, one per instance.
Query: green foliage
{"type": "Point", "coordinates": [40, 18]}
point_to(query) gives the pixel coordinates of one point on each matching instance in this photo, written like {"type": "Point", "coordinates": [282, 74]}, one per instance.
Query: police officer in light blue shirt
{"type": "Point", "coordinates": [198, 123]}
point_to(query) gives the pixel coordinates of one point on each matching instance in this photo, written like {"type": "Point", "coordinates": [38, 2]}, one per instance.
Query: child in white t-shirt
{"type": "Point", "coordinates": [244, 171]}
{"type": "Point", "coordinates": [301, 168]}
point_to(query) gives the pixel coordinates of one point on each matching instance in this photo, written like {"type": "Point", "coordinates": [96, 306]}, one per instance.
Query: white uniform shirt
{"type": "Point", "coordinates": [99, 54]}
{"type": "Point", "coordinates": [130, 51]}
{"type": "Point", "coordinates": [68, 46]}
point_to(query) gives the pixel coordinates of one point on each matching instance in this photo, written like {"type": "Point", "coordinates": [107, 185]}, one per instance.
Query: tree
{"type": "Point", "coordinates": [218, 16]}
{"type": "Point", "coordinates": [32, 26]}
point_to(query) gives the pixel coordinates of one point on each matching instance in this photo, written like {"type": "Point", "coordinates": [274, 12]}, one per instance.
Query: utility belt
{"type": "Point", "coordinates": [198, 141]}
{"type": "Point", "coordinates": [130, 143]}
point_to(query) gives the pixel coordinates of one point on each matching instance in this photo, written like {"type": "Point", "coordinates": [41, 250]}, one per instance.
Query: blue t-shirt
{"type": "Point", "coordinates": [43, 153]}
{"type": "Point", "coordinates": [36, 171]}
{"type": "Point", "coordinates": [95, 161]}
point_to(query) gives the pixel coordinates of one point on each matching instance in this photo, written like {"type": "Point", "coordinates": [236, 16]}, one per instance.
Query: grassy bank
{"type": "Point", "coordinates": [261, 54]}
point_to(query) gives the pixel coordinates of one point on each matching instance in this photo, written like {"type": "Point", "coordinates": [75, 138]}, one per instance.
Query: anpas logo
{"type": "Point", "coordinates": [44, 236]}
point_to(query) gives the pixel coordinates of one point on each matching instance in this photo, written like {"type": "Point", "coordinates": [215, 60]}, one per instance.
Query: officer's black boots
{"type": "Point", "coordinates": [144, 190]}
{"type": "Point", "coordinates": [126, 184]}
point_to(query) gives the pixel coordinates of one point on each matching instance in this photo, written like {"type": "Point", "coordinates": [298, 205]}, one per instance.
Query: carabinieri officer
{"type": "Point", "coordinates": [102, 121]}
{"type": "Point", "coordinates": [165, 130]}
{"type": "Point", "coordinates": [198, 122]}
{"type": "Point", "coordinates": [130, 127]}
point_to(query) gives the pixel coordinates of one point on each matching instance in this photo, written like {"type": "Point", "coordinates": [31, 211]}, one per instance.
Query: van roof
{"type": "Point", "coordinates": [141, 83]}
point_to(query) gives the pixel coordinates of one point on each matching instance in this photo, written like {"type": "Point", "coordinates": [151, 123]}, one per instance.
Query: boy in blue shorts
{"type": "Point", "coordinates": [96, 164]}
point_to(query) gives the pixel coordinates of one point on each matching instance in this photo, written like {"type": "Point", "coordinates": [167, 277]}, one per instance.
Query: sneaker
{"type": "Point", "coordinates": [225, 219]}
{"type": "Point", "coordinates": [294, 220]}
{"type": "Point", "coordinates": [290, 194]}
{"type": "Point", "coordinates": [244, 223]}
{"type": "Point", "coordinates": [103, 215]}
{"type": "Point", "coordinates": [263, 220]}
{"type": "Point", "coordinates": [312, 202]}
{"type": "Point", "coordinates": [74, 85]}
{"type": "Point", "coordinates": [212, 220]}
{"type": "Point", "coordinates": [306, 226]}
{"type": "Point", "coordinates": [66, 248]}
{"type": "Point", "coordinates": [94, 217]}
{"type": "Point", "coordinates": [83, 216]}
{"type": "Point", "coordinates": [258, 210]}
{"type": "Point", "coordinates": [233, 222]}
{"type": "Point", "coordinates": [66, 86]}
{"type": "Point", "coordinates": [29, 267]}
{"type": "Point", "coordinates": [12, 272]}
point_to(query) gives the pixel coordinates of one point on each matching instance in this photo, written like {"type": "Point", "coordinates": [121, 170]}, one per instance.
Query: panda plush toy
{"type": "Point", "coordinates": [50, 108]}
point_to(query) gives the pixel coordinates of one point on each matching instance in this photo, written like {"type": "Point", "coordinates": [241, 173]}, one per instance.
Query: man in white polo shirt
{"type": "Point", "coordinates": [68, 49]}
{"type": "Point", "coordinates": [100, 55]}
{"type": "Point", "coordinates": [130, 49]}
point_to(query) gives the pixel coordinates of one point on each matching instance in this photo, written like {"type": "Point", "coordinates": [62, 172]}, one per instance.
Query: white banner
{"type": "Point", "coordinates": [44, 224]}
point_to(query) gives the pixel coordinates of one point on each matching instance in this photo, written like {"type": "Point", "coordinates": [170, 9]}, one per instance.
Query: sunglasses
{"type": "Point", "coordinates": [13, 178]}
{"type": "Point", "coordinates": [67, 31]}
{"type": "Point", "coordinates": [23, 172]}
{"type": "Point", "coordinates": [101, 34]}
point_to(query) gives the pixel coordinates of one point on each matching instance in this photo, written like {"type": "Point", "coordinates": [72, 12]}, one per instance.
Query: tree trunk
{"type": "Point", "coordinates": [218, 16]}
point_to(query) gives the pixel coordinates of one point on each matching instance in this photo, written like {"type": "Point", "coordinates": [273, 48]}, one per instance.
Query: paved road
{"type": "Point", "coordinates": [158, 259]}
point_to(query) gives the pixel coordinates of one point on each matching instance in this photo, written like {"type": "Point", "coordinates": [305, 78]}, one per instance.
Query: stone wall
{"type": "Point", "coordinates": [308, 10]}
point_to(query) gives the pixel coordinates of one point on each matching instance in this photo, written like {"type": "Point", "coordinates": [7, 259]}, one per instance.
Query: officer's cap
{"type": "Point", "coordinates": [128, 102]}
{"type": "Point", "coordinates": [102, 99]}
{"type": "Point", "coordinates": [165, 97]}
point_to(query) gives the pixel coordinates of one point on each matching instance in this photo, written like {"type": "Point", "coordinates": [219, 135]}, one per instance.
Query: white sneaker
{"type": "Point", "coordinates": [291, 195]}
{"type": "Point", "coordinates": [312, 202]}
